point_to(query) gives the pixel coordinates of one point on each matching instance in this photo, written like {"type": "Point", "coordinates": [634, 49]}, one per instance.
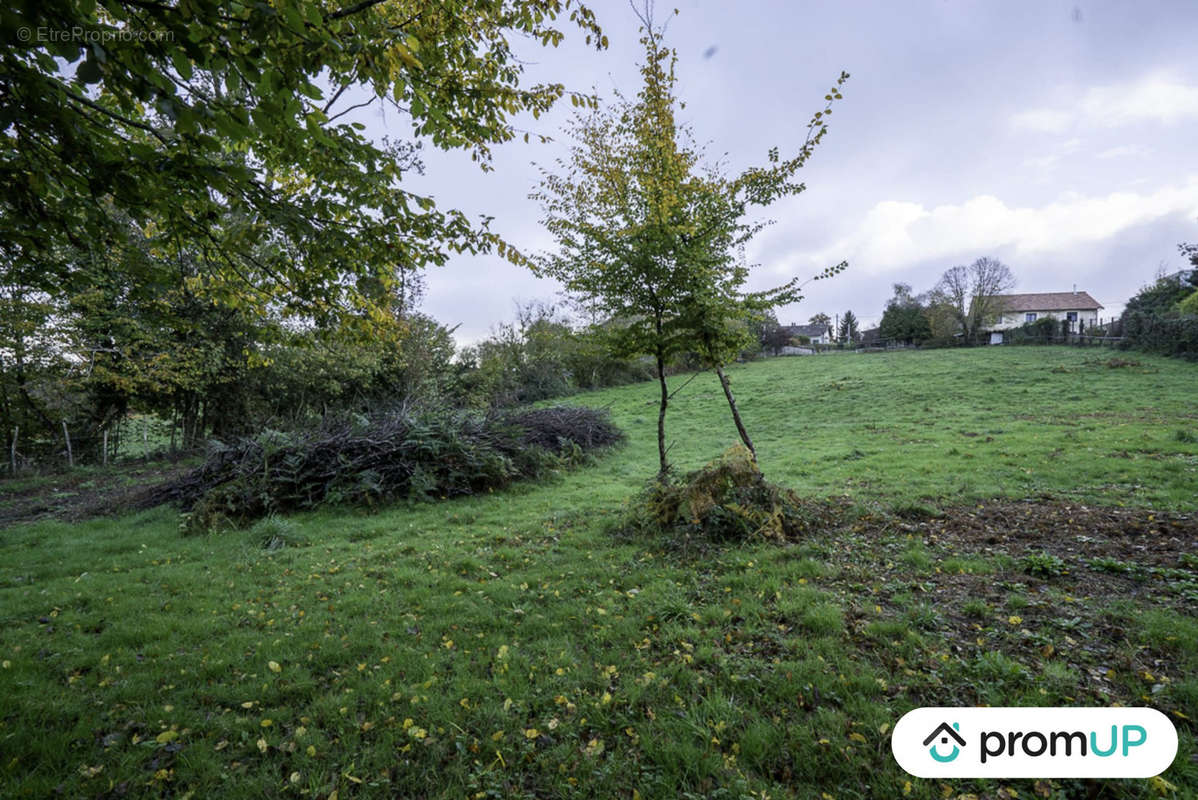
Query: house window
{"type": "Point", "coordinates": [1030, 317]}
{"type": "Point", "coordinates": [1071, 316]}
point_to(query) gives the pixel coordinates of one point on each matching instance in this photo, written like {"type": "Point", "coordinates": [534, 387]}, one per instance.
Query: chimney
{"type": "Point", "coordinates": [1075, 288]}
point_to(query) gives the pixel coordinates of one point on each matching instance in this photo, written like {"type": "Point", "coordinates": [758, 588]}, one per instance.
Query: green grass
{"type": "Point", "coordinates": [508, 646]}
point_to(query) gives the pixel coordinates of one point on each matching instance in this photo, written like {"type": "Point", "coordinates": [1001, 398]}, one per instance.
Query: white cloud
{"type": "Point", "coordinates": [896, 234]}
{"type": "Point", "coordinates": [1124, 151]}
{"type": "Point", "coordinates": [1155, 98]}
{"type": "Point", "coordinates": [1043, 120]}
{"type": "Point", "coordinates": [1042, 162]}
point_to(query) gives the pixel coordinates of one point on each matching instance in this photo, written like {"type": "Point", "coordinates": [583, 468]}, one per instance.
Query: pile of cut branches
{"type": "Point", "coordinates": [727, 500]}
{"type": "Point", "coordinates": [387, 457]}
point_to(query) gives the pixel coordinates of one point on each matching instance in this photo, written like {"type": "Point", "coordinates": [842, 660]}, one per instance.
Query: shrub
{"type": "Point", "coordinates": [366, 461]}
{"type": "Point", "coordinates": [727, 500]}
{"type": "Point", "coordinates": [1170, 334]}
{"type": "Point", "coordinates": [1042, 331]}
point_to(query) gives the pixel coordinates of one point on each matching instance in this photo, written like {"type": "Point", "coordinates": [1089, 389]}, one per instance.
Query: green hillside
{"type": "Point", "coordinates": [1019, 530]}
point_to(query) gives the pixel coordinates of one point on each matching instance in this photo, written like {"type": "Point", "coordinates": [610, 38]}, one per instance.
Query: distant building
{"type": "Point", "coordinates": [1079, 308]}
{"type": "Point", "coordinates": [816, 334]}
{"type": "Point", "coordinates": [872, 337]}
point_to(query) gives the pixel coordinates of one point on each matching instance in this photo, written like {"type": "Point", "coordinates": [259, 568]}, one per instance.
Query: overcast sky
{"type": "Point", "coordinates": [1058, 137]}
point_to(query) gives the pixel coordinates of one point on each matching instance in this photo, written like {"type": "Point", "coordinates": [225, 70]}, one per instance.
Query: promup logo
{"type": "Point", "coordinates": [944, 732]}
{"type": "Point", "coordinates": [1034, 742]}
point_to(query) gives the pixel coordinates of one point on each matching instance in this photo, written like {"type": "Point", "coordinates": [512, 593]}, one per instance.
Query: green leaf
{"type": "Point", "coordinates": [88, 72]}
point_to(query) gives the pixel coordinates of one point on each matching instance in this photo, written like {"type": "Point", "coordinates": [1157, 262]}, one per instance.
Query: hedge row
{"type": "Point", "coordinates": [1169, 334]}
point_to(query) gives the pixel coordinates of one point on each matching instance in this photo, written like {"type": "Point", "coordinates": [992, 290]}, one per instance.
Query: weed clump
{"type": "Point", "coordinates": [275, 533]}
{"type": "Point", "coordinates": [1044, 564]}
{"type": "Point", "coordinates": [728, 500]}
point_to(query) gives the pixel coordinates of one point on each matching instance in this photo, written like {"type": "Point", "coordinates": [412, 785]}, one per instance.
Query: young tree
{"type": "Point", "coordinates": [973, 293]}
{"type": "Point", "coordinates": [649, 239]}
{"type": "Point", "coordinates": [848, 328]}
{"type": "Point", "coordinates": [821, 319]}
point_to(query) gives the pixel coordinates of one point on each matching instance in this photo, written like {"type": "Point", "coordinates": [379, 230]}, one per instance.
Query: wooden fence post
{"type": "Point", "coordinates": [105, 446]}
{"type": "Point", "coordinates": [13, 453]}
{"type": "Point", "coordinates": [67, 436]}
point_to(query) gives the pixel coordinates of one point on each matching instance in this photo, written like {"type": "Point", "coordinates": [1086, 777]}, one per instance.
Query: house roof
{"type": "Point", "coordinates": [807, 330]}
{"type": "Point", "coordinates": [1049, 301]}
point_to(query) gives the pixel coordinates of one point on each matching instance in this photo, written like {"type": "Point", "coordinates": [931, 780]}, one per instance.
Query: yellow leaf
{"type": "Point", "coordinates": [274, 666]}
{"type": "Point", "coordinates": [856, 737]}
{"type": "Point", "coordinates": [531, 733]}
{"type": "Point", "coordinates": [1014, 619]}
{"type": "Point", "coordinates": [266, 723]}
{"type": "Point", "coordinates": [262, 745]}
{"type": "Point", "coordinates": [1161, 786]}
{"type": "Point", "coordinates": [166, 736]}
{"type": "Point", "coordinates": [311, 750]}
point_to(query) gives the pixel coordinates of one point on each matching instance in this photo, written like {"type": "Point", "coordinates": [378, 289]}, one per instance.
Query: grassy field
{"type": "Point", "coordinates": [510, 646]}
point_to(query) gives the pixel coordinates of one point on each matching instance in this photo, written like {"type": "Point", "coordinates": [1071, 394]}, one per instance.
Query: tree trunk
{"type": "Point", "coordinates": [740, 425]}
{"type": "Point", "coordinates": [663, 464]}
{"type": "Point", "coordinates": [67, 437]}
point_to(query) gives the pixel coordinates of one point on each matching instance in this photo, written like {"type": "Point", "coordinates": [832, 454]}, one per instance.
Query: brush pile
{"type": "Point", "coordinates": [727, 500]}
{"type": "Point", "coordinates": [387, 457]}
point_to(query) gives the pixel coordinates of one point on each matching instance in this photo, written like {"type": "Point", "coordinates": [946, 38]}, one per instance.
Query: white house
{"type": "Point", "coordinates": [816, 334]}
{"type": "Point", "coordinates": [1079, 308]}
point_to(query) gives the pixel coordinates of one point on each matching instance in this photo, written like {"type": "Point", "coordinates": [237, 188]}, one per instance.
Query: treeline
{"type": "Point", "coordinates": [82, 365]}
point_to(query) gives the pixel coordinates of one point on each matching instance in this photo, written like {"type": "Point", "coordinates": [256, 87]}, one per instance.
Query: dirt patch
{"type": "Point", "coordinates": [81, 494]}
{"type": "Point", "coordinates": [1068, 531]}
{"type": "Point", "coordinates": [1016, 591]}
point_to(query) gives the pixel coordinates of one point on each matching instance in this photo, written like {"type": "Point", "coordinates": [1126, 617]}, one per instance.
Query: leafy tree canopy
{"type": "Point", "coordinates": [221, 127]}
{"type": "Point", "coordinates": [904, 319]}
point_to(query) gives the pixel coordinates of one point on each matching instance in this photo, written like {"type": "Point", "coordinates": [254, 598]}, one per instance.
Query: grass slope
{"type": "Point", "coordinates": [506, 646]}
